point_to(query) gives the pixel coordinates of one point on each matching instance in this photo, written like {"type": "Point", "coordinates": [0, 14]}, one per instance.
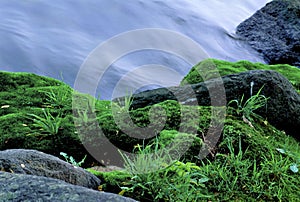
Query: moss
{"type": "Point", "coordinates": [111, 181]}
{"type": "Point", "coordinates": [22, 94]}
{"type": "Point", "coordinates": [225, 68]}
{"type": "Point", "coordinates": [9, 81]}
{"type": "Point", "coordinates": [248, 157]}
{"type": "Point", "coordinates": [186, 119]}
{"type": "Point", "coordinates": [245, 164]}
{"type": "Point", "coordinates": [184, 143]}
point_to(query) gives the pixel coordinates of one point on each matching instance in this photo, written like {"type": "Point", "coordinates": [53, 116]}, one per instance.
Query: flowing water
{"type": "Point", "coordinates": [53, 38]}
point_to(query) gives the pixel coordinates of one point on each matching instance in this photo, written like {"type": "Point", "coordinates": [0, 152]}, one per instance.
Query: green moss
{"type": "Point", "coordinates": [112, 181]}
{"type": "Point", "coordinates": [168, 115]}
{"type": "Point", "coordinates": [225, 68]}
{"type": "Point", "coordinates": [245, 165]}
{"type": "Point", "coordinates": [22, 94]}
{"type": "Point", "coordinates": [184, 143]}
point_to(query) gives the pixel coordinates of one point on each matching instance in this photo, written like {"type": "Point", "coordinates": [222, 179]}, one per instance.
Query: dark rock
{"type": "Point", "coordinates": [22, 187]}
{"type": "Point", "coordinates": [274, 31]}
{"type": "Point", "coordinates": [33, 162]}
{"type": "Point", "coordinates": [283, 106]}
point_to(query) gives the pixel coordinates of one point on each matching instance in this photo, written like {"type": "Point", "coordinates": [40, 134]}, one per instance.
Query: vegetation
{"type": "Point", "coordinates": [225, 68]}
{"type": "Point", "coordinates": [71, 160]}
{"type": "Point", "coordinates": [247, 108]}
{"type": "Point", "coordinates": [251, 161]}
{"type": "Point", "coordinates": [238, 171]}
{"type": "Point", "coordinates": [33, 120]}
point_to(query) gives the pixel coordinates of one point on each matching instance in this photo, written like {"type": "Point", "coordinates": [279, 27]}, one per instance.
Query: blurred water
{"type": "Point", "coordinates": [53, 38]}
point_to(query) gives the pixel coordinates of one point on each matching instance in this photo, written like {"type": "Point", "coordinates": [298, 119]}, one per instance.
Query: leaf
{"type": "Point", "coordinates": [248, 122]}
{"type": "Point", "coordinates": [281, 150]}
{"type": "Point", "coordinates": [122, 192]}
{"type": "Point", "coordinates": [294, 168]}
{"type": "Point", "coordinates": [63, 154]}
{"type": "Point", "coordinates": [204, 179]}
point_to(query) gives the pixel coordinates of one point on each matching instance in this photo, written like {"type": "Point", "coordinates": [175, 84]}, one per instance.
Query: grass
{"type": "Point", "coordinates": [57, 97]}
{"type": "Point", "coordinates": [123, 104]}
{"type": "Point", "coordinates": [238, 172]}
{"type": "Point", "coordinates": [258, 163]}
{"type": "Point", "coordinates": [247, 165]}
{"type": "Point", "coordinates": [25, 93]}
{"type": "Point", "coordinates": [247, 108]}
{"type": "Point", "coordinates": [156, 176]}
{"type": "Point", "coordinates": [48, 123]}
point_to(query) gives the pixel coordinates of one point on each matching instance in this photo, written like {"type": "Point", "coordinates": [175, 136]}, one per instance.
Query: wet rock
{"type": "Point", "coordinates": [274, 31]}
{"type": "Point", "coordinates": [22, 187]}
{"type": "Point", "coordinates": [33, 162]}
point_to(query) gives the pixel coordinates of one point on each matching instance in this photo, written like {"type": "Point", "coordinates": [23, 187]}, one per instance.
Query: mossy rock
{"type": "Point", "coordinates": [246, 160]}
{"type": "Point", "coordinates": [246, 165]}
{"type": "Point", "coordinates": [21, 99]}
{"type": "Point", "coordinates": [23, 94]}
{"type": "Point", "coordinates": [185, 119]}
{"type": "Point", "coordinates": [185, 146]}
{"type": "Point", "coordinates": [225, 68]}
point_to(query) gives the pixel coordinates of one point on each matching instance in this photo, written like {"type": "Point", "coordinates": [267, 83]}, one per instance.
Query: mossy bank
{"type": "Point", "coordinates": [253, 161]}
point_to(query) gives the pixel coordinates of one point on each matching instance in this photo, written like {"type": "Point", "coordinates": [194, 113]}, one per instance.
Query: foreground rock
{"type": "Point", "coordinates": [20, 187]}
{"type": "Point", "coordinates": [33, 162]}
{"type": "Point", "coordinates": [274, 31]}
{"type": "Point", "coordinates": [283, 107]}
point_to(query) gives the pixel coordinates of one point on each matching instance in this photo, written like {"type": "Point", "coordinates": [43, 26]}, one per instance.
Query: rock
{"type": "Point", "coordinates": [274, 31]}
{"type": "Point", "coordinates": [283, 106]}
{"type": "Point", "coordinates": [33, 162]}
{"type": "Point", "coordinates": [22, 187]}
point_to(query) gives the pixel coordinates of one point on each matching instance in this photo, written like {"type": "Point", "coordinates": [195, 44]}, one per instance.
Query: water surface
{"type": "Point", "coordinates": [53, 38]}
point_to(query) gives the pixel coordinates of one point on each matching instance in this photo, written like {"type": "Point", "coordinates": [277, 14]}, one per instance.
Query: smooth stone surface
{"type": "Point", "coordinates": [34, 162]}
{"type": "Point", "coordinates": [28, 188]}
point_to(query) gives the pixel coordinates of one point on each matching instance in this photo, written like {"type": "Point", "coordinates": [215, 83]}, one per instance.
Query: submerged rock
{"type": "Point", "coordinates": [33, 162]}
{"type": "Point", "coordinates": [274, 31]}
{"type": "Point", "coordinates": [22, 187]}
{"type": "Point", "coordinates": [283, 106]}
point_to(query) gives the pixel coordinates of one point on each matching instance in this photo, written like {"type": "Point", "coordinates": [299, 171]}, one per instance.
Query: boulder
{"type": "Point", "coordinates": [34, 162]}
{"type": "Point", "coordinates": [283, 105]}
{"type": "Point", "coordinates": [22, 187]}
{"type": "Point", "coordinates": [274, 31]}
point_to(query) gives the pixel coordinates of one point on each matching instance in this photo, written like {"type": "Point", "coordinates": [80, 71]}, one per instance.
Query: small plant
{"type": "Point", "coordinates": [48, 123]}
{"type": "Point", "coordinates": [84, 102]}
{"type": "Point", "coordinates": [156, 177]}
{"type": "Point", "coordinates": [125, 102]}
{"type": "Point", "coordinates": [128, 99]}
{"type": "Point", "coordinates": [58, 97]}
{"type": "Point", "coordinates": [147, 159]}
{"type": "Point", "coordinates": [71, 160]}
{"type": "Point", "coordinates": [84, 111]}
{"type": "Point", "coordinates": [247, 108]}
